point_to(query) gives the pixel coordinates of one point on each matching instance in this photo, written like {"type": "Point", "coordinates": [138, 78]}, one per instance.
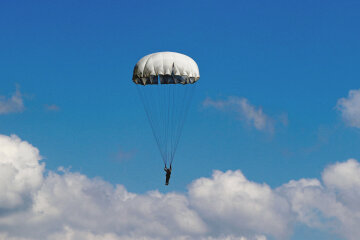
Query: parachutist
{"type": "Point", "coordinates": [165, 83]}
{"type": "Point", "coordinates": [168, 173]}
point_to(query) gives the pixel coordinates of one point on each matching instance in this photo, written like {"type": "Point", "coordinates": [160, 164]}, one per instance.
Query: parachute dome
{"type": "Point", "coordinates": [166, 67]}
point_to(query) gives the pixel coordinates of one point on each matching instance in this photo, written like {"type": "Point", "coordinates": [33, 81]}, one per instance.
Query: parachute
{"type": "Point", "coordinates": [165, 83]}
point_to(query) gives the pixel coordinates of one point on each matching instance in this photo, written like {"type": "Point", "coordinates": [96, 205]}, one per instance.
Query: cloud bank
{"type": "Point", "coordinates": [349, 108]}
{"type": "Point", "coordinates": [252, 115]}
{"type": "Point", "coordinates": [13, 104]}
{"type": "Point", "coordinates": [226, 206]}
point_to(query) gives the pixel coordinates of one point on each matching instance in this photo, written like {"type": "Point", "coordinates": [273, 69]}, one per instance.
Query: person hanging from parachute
{"type": "Point", "coordinates": [165, 83]}
{"type": "Point", "coordinates": [168, 174]}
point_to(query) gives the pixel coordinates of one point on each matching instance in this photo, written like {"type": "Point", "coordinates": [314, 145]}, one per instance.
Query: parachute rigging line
{"type": "Point", "coordinates": [166, 107]}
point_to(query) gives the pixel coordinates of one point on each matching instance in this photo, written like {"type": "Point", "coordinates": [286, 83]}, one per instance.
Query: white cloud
{"type": "Point", "coordinates": [348, 187]}
{"type": "Point", "coordinates": [350, 108]}
{"type": "Point", "coordinates": [232, 204]}
{"type": "Point", "coordinates": [305, 197]}
{"type": "Point", "coordinates": [97, 205]}
{"type": "Point", "coordinates": [71, 202]}
{"type": "Point", "coordinates": [123, 156]}
{"type": "Point", "coordinates": [20, 173]}
{"type": "Point", "coordinates": [52, 107]}
{"type": "Point", "coordinates": [332, 206]}
{"type": "Point", "coordinates": [70, 234]}
{"type": "Point", "coordinates": [251, 114]}
{"type": "Point", "coordinates": [227, 206]}
{"type": "Point", "coordinates": [13, 104]}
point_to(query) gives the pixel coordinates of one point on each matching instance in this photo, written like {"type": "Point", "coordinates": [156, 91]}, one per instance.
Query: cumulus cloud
{"type": "Point", "coordinates": [332, 205]}
{"type": "Point", "coordinates": [349, 108]}
{"type": "Point", "coordinates": [232, 204]}
{"type": "Point", "coordinates": [13, 104]}
{"type": "Point", "coordinates": [251, 114]}
{"type": "Point", "coordinates": [21, 174]}
{"type": "Point", "coordinates": [75, 206]}
{"type": "Point", "coordinates": [226, 206]}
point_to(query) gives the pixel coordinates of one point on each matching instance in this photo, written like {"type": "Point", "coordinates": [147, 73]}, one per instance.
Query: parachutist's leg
{"type": "Point", "coordinates": [167, 179]}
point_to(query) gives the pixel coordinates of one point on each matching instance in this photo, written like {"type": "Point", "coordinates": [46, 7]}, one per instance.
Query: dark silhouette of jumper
{"type": "Point", "coordinates": [168, 174]}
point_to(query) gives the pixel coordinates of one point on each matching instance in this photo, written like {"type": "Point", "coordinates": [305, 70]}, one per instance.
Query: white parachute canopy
{"type": "Point", "coordinates": [178, 67]}
{"type": "Point", "coordinates": [165, 82]}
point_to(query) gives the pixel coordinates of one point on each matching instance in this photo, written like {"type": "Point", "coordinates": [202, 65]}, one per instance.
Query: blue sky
{"type": "Point", "coordinates": [72, 64]}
